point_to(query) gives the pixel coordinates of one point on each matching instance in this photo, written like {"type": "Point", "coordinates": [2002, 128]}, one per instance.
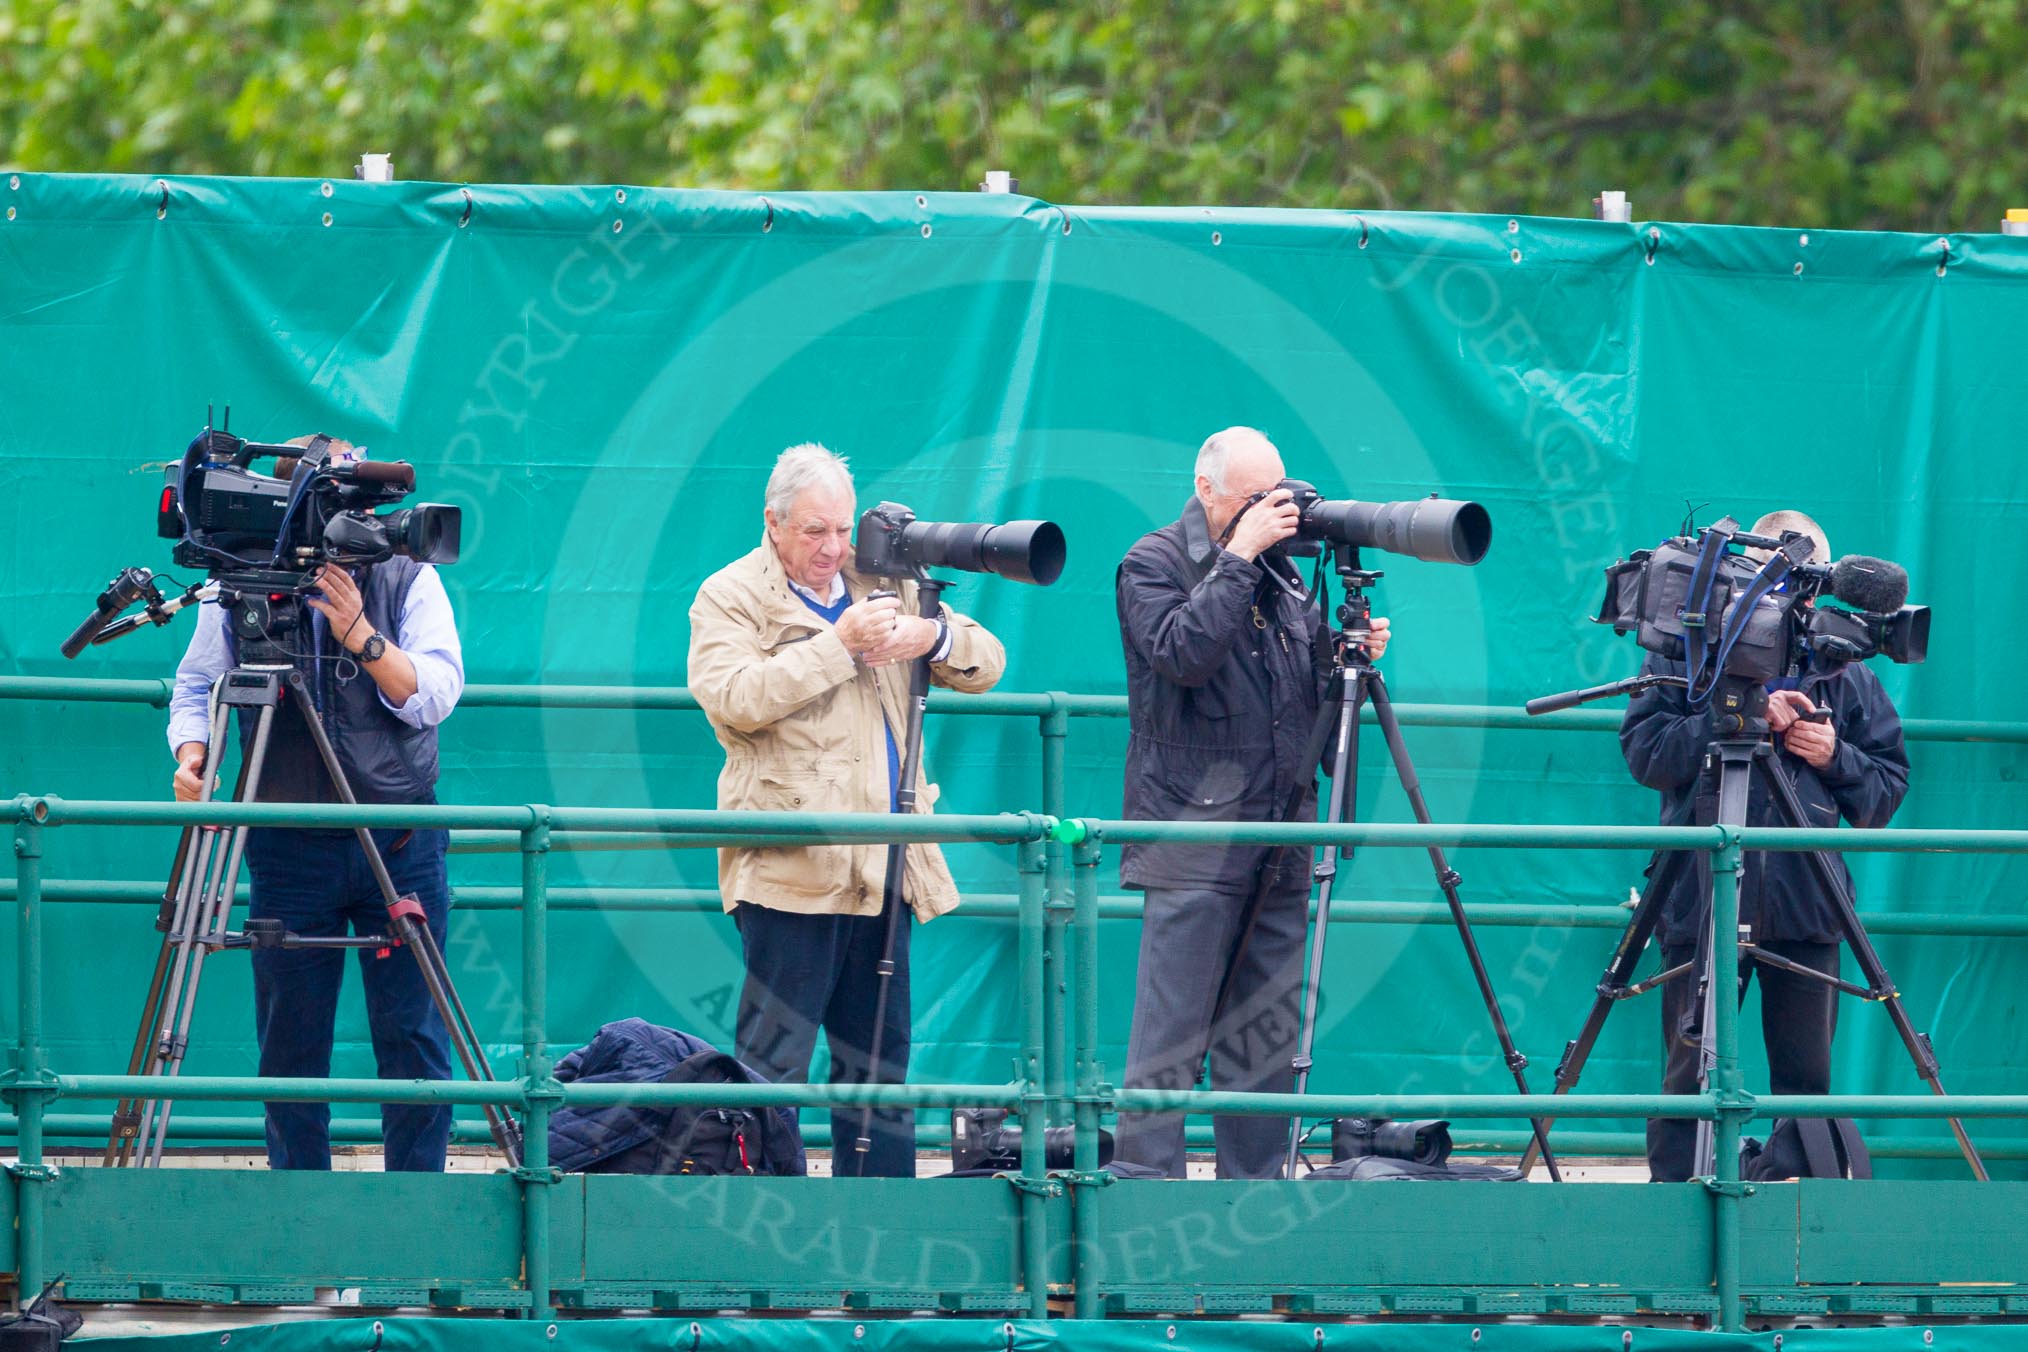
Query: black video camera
{"type": "Point", "coordinates": [1698, 600]}
{"type": "Point", "coordinates": [316, 508]}
{"type": "Point", "coordinates": [263, 537]}
{"type": "Point", "coordinates": [1433, 529]}
{"type": "Point", "coordinates": [892, 543]}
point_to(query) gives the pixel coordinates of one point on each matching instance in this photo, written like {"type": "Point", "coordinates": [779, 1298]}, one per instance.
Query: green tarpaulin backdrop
{"type": "Point", "coordinates": [601, 377]}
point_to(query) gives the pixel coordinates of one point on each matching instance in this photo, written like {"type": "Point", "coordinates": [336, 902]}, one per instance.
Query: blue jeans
{"type": "Point", "coordinates": [318, 883]}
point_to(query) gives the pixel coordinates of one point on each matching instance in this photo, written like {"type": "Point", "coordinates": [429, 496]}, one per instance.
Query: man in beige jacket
{"type": "Point", "coordinates": [805, 680]}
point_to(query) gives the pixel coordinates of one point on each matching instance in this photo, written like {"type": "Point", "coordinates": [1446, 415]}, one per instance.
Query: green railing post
{"type": "Point", "coordinates": [1055, 728]}
{"type": "Point", "coordinates": [31, 1083]}
{"type": "Point", "coordinates": [1728, 1088]}
{"type": "Point", "coordinates": [1034, 1182]}
{"type": "Point", "coordinates": [1091, 1088]}
{"type": "Point", "coordinates": [540, 1091]}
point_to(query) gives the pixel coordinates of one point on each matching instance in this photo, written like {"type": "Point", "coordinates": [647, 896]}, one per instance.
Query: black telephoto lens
{"type": "Point", "coordinates": [1022, 551]}
{"type": "Point", "coordinates": [1435, 530]}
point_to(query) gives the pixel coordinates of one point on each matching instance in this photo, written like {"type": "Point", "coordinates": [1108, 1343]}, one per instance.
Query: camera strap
{"type": "Point", "coordinates": [1771, 575]}
{"type": "Point", "coordinates": [1711, 548]}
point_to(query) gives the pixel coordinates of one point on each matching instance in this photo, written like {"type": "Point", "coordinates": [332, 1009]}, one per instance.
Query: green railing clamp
{"type": "Point", "coordinates": [1078, 1178]}
{"type": "Point", "coordinates": [524, 1174]}
{"type": "Point", "coordinates": [1035, 1187]}
{"type": "Point", "coordinates": [32, 1173]}
{"type": "Point", "coordinates": [1732, 1187]}
{"type": "Point", "coordinates": [545, 1093]}
{"type": "Point", "coordinates": [535, 836]}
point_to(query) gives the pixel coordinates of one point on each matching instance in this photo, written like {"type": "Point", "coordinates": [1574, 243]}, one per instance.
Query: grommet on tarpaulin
{"type": "Point", "coordinates": [769, 223]}
{"type": "Point", "coordinates": [162, 202]}
{"type": "Point", "coordinates": [1943, 264]}
{"type": "Point", "coordinates": [1362, 228]}
{"type": "Point", "coordinates": [1654, 242]}
{"type": "Point", "coordinates": [465, 217]}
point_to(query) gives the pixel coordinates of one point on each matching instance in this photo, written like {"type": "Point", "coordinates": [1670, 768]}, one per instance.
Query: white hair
{"type": "Point", "coordinates": [800, 468]}
{"type": "Point", "coordinates": [1218, 449]}
{"type": "Point", "coordinates": [1788, 519]}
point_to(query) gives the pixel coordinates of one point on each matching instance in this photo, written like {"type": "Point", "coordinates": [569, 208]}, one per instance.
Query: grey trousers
{"type": "Point", "coordinates": [1188, 937]}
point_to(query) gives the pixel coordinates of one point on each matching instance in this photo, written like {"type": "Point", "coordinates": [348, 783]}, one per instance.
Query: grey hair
{"type": "Point", "coordinates": [1217, 451]}
{"type": "Point", "coordinates": [1787, 519]}
{"type": "Point", "coordinates": [800, 468]}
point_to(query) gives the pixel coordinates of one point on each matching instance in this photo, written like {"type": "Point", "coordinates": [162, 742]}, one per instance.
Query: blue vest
{"type": "Point", "coordinates": [384, 759]}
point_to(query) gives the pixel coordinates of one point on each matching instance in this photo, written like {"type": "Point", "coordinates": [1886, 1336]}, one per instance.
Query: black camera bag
{"type": "Point", "coordinates": [1807, 1147]}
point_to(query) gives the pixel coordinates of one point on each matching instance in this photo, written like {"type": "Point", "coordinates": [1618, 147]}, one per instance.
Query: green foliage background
{"type": "Point", "coordinates": [1911, 115]}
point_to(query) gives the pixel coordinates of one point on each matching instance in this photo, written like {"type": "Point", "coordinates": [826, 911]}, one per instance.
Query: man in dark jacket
{"type": "Point", "coordinates": [1852, 767]}
{"type": "Point", "coordinates": [1223, 685]}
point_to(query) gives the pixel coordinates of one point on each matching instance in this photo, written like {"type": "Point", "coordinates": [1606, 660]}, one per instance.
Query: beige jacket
{"type": "Point", "coordinates": [800, 720]}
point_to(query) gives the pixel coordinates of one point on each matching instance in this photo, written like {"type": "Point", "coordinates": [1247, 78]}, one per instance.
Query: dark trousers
{"type": "Point", "coordinates": [1189, 950]}
{"type": "Point", "coordinates": [1797, 1019]}
{"type": "Point", "coordinates": [805, 972]}
{"type": "Point", "coordinates": [318, 883]}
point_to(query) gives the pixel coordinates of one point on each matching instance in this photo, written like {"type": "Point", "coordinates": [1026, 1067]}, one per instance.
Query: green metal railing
{"type": "Point", "coordinates": [1057, 910]}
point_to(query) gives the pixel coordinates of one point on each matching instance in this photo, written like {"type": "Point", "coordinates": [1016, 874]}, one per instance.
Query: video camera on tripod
{"type": "Point", "coordinates": [262, 537]}
{"type": "Point", "coordinates": [1739, 610]}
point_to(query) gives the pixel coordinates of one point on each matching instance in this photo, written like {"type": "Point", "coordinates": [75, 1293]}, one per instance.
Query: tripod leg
{"type": "Point", "coordinates": [1882, 986]}
{"type": "Point", "coordinates": [1447, 879]}
{"type": "Point", "coordinates": [1735, 778]}
{"type": "Point", "coordinates": [1344, 792]}
{"type": "Point", "coordinates": [208, 921]}
{"type": "Point", "coordinates": [190, 924]}
{"type": "Point", "coordinates": [412, 927]}
{"type": "Point", "coordinates": [1612, 987]}
{"type": "Point", "coordinates": [929, 604]}
{"type": "Point", "coordinates": [471, 1052]}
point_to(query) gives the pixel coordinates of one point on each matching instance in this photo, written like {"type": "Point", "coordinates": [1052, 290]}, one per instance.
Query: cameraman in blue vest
{"type": "Point", "coordinates": [381, 658]}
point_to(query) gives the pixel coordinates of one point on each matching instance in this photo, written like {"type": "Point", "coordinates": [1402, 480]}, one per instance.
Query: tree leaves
{"type": "Point", "coordinates": [1799, 112]}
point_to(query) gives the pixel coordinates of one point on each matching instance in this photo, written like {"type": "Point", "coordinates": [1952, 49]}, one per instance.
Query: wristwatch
{"type": "Point", "coordinates": [371, 650]}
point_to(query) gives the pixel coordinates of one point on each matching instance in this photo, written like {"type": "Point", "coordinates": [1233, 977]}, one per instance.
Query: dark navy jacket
{"type": "Point", "coordinates": [1664, 745]}
{"type": "Point", "coordinates": [632, 1051]}
{"type": "Point", "coordinates": [1223, 688]}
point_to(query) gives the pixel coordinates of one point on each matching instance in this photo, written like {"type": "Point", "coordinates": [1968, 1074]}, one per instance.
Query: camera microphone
{"type": "Point", "coordinates": [395, 473]}
{"type": "Point", "coordinates": [1870, 584]}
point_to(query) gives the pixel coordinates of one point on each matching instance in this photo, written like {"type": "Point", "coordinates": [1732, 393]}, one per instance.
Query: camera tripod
{"type": "Point", "coordinates": [198, 901]}
{"type": "Point", "coordinates": [1742, 749]}
{"type": "Point", "coordinates": [1355, 682]}
{"type": "Point", "coordinates": [929, 605]}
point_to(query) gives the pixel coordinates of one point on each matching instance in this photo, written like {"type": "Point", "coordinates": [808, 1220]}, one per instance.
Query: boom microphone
{"type": "Point", "coordinates": [1869, 584]}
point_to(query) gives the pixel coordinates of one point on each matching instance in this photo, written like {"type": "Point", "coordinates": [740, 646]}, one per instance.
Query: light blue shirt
{"type": "Point", "coordinates": [426, 631]}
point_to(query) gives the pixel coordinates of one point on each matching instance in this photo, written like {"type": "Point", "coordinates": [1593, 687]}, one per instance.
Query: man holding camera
{"type": "Point", "coordinates": [1841, 744]}
{"type": "Point", "coordinates": [381, 658]}
{"type": "Point", "coordinates": [1224, 685]}
{"type": "Point", "coordinates": [802, 667]}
